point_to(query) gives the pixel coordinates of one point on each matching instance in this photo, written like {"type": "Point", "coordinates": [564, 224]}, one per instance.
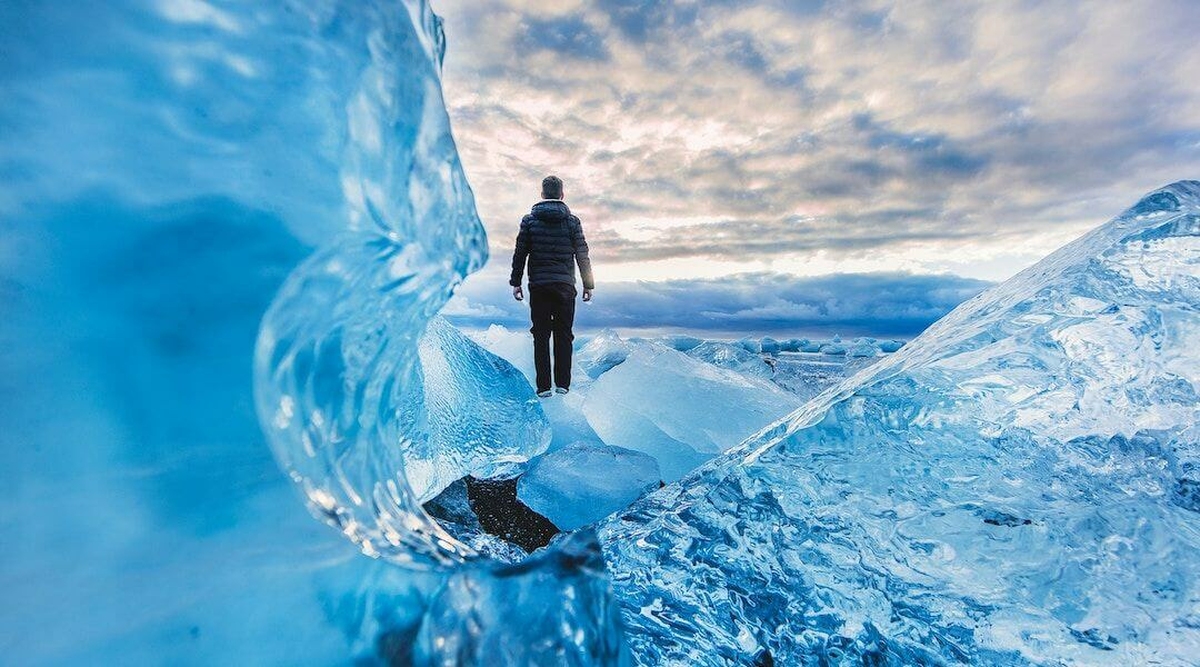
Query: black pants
{"type": "Point", "coordinates": [552, 309]}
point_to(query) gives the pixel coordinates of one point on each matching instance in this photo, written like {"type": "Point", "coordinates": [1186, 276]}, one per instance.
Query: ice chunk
{"type": "Point", "coordinates": [585, 481]}
{"type": "Point", "coordinates": [890, 346]}
{"type": "Point", "coordinates": [515, 347]}
{"type": "Point", "coordinates": [733, 357]}
{"type": "Point", "coordinates": [604, 351]}
{"type": "Point", "coordinates": [750, 344]}
{"type": "Point", "coordinates": [554, 609]}
{"type": "Point", "coordinates": [1008, 488]}
{"type": "Point", "coordinates": [833, 347]}
{"type": "Point", "coordinates": [807, 374]}
{"type": "Point", "coordinates": [681, 342]}
{"type": "Point", "coordinates": [807, 345]}
{"type": "Point", "coordinates": [678, 409]}
{"type": "Point", "coordinates": [504, 426]}
{"type": "Point", "coordinates": [863, 347]}
{"type": "Point", "coordinates": [768, 345]}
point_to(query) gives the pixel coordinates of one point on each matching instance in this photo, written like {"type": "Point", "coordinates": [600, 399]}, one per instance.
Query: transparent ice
{"type": "Point", "coordinates": [183, 178]}
{"type": "Point", "coordinates": [734, 357]}
{"type": "Point", "coordinates": [677, 409]}
{"type": "Point", "coordinates": [1016, 486]}
{"type": "Point", "coordinates": [484, 419]}
{"type": "Point", "coordinates": [586, 481]}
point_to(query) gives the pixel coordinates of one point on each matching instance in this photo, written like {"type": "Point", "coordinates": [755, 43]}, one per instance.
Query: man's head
{"type": "Point", "coordinates": [552, 188]}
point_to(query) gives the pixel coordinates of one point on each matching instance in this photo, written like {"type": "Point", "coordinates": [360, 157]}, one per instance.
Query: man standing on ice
{"type": "Point", "coordinates": [552, 240]}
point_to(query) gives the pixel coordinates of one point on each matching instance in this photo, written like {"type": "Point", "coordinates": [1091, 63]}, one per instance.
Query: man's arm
{"type": "Point", "coordinates": [520, 254]}
{"type": "Point", "coordinates": [582, 259]}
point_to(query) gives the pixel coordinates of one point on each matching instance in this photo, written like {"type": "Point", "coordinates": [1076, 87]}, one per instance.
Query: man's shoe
{"type": "Point", "coordinates": [561, 390]}
{"type": "Point", "coordinates": [544, 394]}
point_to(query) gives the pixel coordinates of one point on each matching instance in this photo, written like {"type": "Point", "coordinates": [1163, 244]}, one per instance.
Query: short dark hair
{"type": "Point", "coordinates": [552, 187]}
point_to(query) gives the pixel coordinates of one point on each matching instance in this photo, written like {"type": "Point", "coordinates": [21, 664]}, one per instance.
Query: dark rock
{"type": "Point", "coordinates": [500, 513]}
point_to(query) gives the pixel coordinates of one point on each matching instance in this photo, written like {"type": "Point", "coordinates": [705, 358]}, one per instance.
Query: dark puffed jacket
{"type": "Point", "coordinates": [552, 240]}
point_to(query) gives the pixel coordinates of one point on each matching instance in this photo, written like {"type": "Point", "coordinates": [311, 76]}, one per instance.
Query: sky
{"type": "Point", "coordinates": [792, 165]}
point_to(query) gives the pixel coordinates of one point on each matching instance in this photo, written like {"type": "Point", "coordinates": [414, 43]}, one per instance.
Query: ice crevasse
{"type": "Point", "coordinates": [226, 219]}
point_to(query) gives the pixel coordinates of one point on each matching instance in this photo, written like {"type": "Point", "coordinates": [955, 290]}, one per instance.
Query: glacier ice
{"type": "Point", "coordinates": [1015, 486]}
{"type": "Point", "coordinates": [168, 168]}
{"type": "Point", "coordinates": [555, 608]}
{"type": "Point", "coordinates": [675, 408]}
{"type": "Point", "coordinates": [602, 353]}
{"type": "Point", "coordinates": [768, 345]}
{"type": "Point", "coordinates": [585, 481]}
{"type": "Point", "coordinates": [483, 417]}
{"type": "Point", "coordinates": [734, 357]}
{"type": "Point", "coordinates": [681, 342]}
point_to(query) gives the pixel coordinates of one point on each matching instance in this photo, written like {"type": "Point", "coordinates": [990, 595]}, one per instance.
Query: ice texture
{"type": "Point", "coordinates": [734, 357]}
{"type": "Point", "coordinates": [553, 609]}
{"type": "Point", "coordinates": [586, 481]}
{"type": "Point", "coordinates": [677, 409]}
{"type": "Point", "coordinates": [602, 353]}
{"type": "Point", "coordinates": [1015, 486]}
{"type": "Point", "coordinates": [483, 417]}
{"type": "Point", "coordinates": [681, 342]}
{"type": "Point", "coordinates": [168, 168]}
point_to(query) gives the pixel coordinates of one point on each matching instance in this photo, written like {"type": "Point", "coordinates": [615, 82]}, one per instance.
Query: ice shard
{"type": "Point", "coordinates": [1015, 486]}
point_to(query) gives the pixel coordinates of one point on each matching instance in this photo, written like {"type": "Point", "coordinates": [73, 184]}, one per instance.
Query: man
{"type": "Point", "coordinates": [552, 240]}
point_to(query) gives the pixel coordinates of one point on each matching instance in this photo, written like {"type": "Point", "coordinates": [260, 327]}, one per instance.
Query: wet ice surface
{"type": "Point", "coordinates": [1016, 486]}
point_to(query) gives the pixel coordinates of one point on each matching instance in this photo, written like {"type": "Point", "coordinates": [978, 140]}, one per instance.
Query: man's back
{"type": "Point", "coordinates": [552, 239]}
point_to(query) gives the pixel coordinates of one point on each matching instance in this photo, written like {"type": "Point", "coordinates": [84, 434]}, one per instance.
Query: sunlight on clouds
{"type": "Point", "coordinates": [708, 139]}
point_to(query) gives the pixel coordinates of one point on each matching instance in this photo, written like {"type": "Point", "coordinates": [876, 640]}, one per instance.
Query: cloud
{"type": "Point", "coordinates": [570, 36]}
{"type": "Point", "coordinates": [889, 304]}
{"type": "Point", "coordinates": [893, 135]}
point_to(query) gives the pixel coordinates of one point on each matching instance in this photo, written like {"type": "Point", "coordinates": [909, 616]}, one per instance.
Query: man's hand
{"type": "Point", "coordinates": [587, 294]}
{"type": "Point", "coordinates": [518, 294]}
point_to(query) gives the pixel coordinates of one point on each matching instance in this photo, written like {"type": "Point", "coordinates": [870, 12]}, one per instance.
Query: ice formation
{"type": "Point", "coordinates": [585, 481]}
{"type": "Point", "coordinates": [677, 409]}
{"type": "Point", "coordinates": [483, 417]}
{"type": "Point", "coordinates": [167, 165]}
{"type": "Point", "coordinates": [602, 353]}
{"type": "Point", "coordinates": [1016, 486]}
{"type": "Point", "coordinates": [734, 357]}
